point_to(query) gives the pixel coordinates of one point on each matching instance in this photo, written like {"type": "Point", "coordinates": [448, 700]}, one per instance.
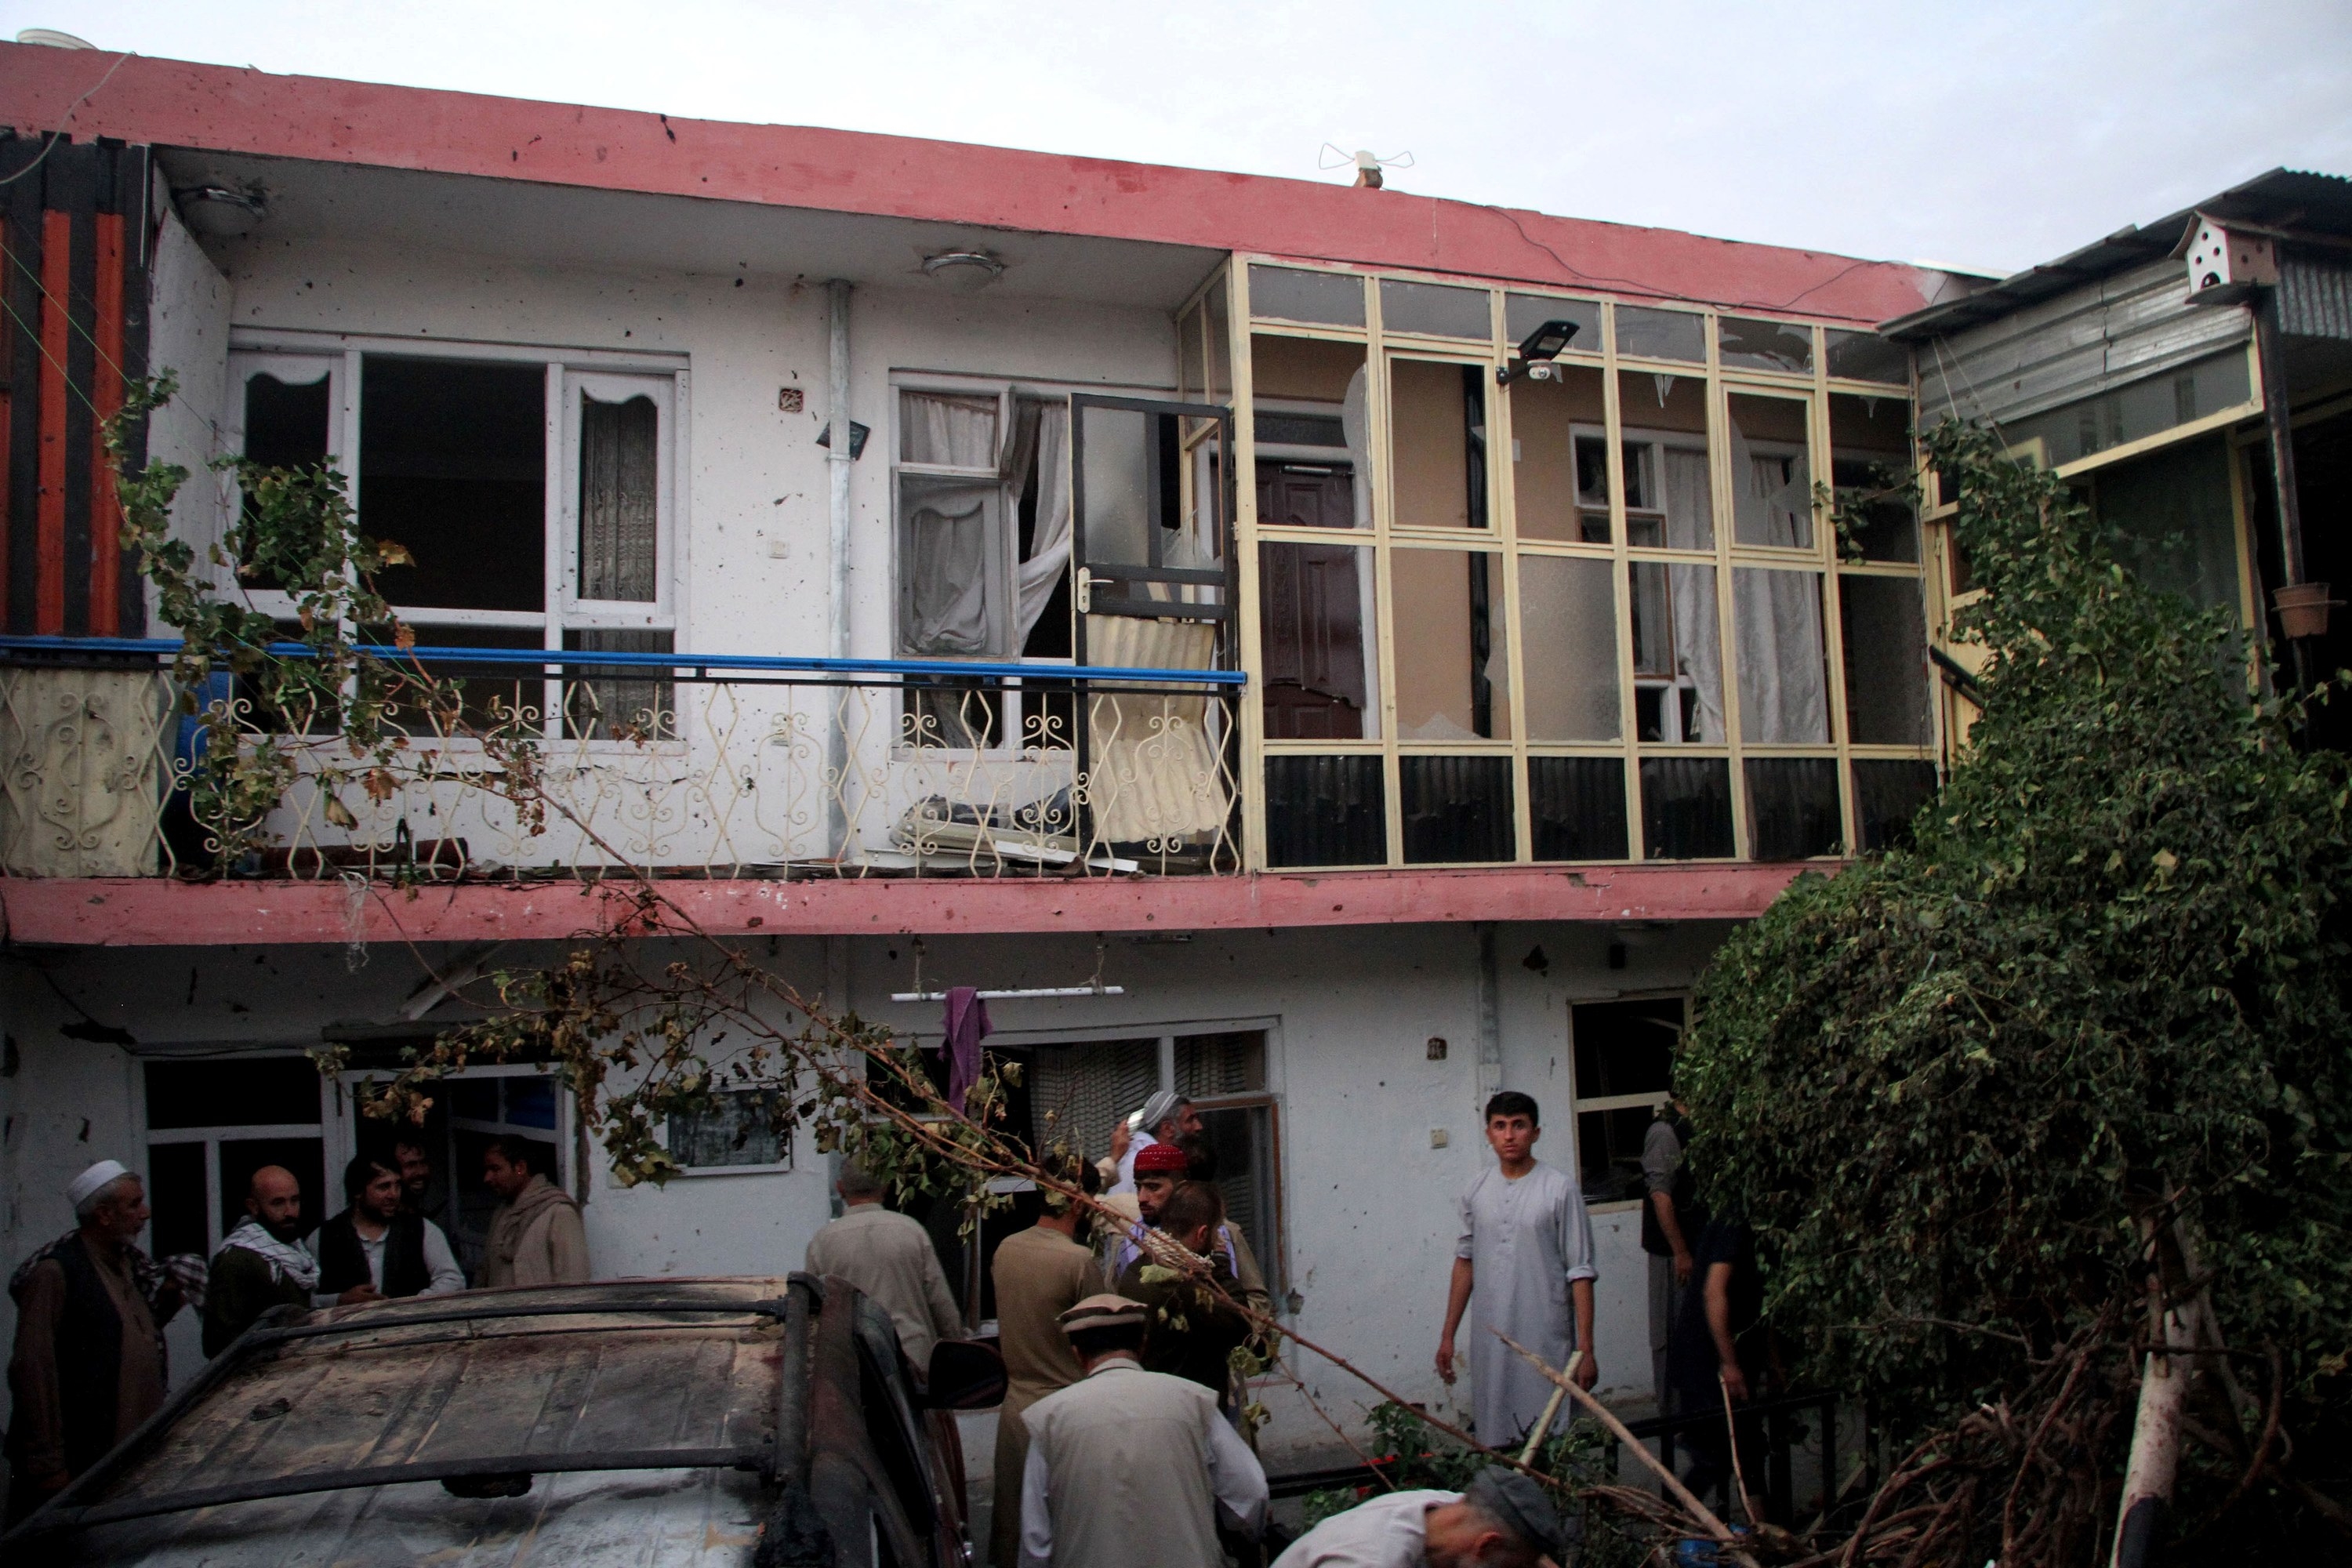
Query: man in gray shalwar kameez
{"type": "Point", "coordinates": [1526, 1251]}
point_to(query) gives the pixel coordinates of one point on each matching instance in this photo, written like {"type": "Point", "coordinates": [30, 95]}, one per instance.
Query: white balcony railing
{"type": "Point", "coordinates": [680, 764]}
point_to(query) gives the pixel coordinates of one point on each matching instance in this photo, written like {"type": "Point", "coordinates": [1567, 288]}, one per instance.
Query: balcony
{"type": "Point", "coordinates": [684, 765]}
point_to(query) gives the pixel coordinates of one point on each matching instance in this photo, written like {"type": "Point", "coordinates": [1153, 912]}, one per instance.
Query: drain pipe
{"type": "Point", "coordinates": [837, 460]}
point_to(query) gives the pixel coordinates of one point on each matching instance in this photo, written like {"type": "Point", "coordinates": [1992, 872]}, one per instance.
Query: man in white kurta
{"type": "Point", "coordinates": [1524, 1263]}
{"type": "Point", "coordinates": [1502, 1520]}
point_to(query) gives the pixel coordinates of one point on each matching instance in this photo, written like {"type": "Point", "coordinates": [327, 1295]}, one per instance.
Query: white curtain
{"type": "Point", "coordinates": [1698, 648]}
{"type": "Point", "coordinates": [1152, 770]}
{"type": "Point", "coordinates": [1048, 561]}
{"type": "Point", "coordinates": [1783, 680]}
{"type": "Point", "coordinates": [1690, 500]}
{"type": "Point", "coordinates": [952, 432]}
{"type": "Point", "coordinates": [1355, 424]}
{"type": "Point", "coordinates": [947, 536]}
{"type": "Point", "coordinates": [1771, 496]}
{"type": "Point", "coordinates": [949, 526]}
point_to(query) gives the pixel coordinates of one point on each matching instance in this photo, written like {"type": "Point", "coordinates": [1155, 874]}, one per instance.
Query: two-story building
{"type": "Point", "coordinates": [1478, 650]}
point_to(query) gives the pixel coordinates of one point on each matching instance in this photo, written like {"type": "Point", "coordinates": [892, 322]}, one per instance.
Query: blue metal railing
{"type": "Point", "coordinates": [685, 666]}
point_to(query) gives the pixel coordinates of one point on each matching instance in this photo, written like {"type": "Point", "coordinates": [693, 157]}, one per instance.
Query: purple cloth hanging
{"type": "Point", "coordinates": [967, 1024]}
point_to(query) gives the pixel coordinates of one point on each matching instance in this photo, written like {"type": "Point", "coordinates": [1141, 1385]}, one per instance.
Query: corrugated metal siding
{"type": "Point", "coordinates": [2315, 296]}
{"type": "Point", "coordinates": [2131, 325]}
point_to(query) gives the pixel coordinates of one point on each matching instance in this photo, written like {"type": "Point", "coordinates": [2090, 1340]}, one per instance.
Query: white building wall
{"type": "Point", "coordinates": [1369, 1214]}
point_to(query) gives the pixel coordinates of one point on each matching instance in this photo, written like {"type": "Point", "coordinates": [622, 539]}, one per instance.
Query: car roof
{"type": "Point", "coordinates": [646, 1413]}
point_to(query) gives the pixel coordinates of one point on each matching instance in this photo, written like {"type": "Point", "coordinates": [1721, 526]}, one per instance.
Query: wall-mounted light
{"type": "Point", "coordinates": [221, 212]}
{"type": "Point", "coordinates": [964, 271]}
{"type": "Point", "coordinates": [1537, 351]}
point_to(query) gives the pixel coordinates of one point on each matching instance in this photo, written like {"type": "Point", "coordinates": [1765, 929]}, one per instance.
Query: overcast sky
{"type": "Point", "coordinates": [1989, 134]}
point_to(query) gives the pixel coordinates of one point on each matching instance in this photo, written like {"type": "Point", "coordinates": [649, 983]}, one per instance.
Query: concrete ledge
{"type": "Point", "coordinates": [154, 912]}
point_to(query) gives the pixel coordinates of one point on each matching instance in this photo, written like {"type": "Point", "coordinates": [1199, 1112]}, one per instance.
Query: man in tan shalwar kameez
{"type": "Point", "coordinates": [1040, 1273]}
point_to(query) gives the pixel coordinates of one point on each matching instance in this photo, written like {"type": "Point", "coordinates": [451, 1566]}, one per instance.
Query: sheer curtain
{"type": "Point", "coordinates": [948, 522]}
{"type": "Point", "coordinates": [1783, 675]}
{"type": "Point", "coordinates": [1698, 641]}
{"type": "Point", "coordinates": [1049, 560]}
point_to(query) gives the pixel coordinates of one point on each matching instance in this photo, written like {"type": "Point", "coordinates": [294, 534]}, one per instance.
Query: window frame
{"type": "Point", "coordinates": [667, 376]}
{"type": "Point", "coordinates": [791, 1142]}
{"type": "Point", "coordinates": [1579, 1104]}
{"type": "Point", "coordinates": [1811, 389]}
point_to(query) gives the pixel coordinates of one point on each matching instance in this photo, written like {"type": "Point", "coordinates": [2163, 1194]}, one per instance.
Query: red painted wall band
{"type": "Point", "coordinates": [106, 398]}
{"type": "Point", "coordinates": [50, 534]}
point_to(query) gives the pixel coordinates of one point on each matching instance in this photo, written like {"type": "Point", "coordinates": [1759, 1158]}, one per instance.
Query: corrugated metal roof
{"type": "Point", "coordinates": [2282, 198]}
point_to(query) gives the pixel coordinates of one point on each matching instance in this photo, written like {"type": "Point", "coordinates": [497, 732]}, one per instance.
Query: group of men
{"type": "Point", "coordinates": [89, 1361]}
{"type": "Point", "coordinates": [1125, 1418]}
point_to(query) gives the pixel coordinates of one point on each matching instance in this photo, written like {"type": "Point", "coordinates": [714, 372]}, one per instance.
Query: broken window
{"type": "Point", "coordinates": [1677, 654]}
{"type": "Point", "coordinates": [742, 1130]}
{"type": "Point", "coordinates": [1888, 795]}
{"type": "Point", "coordinates": [1453, 663]}
{"type": "Point", "coordinates": [1314, 446]}
{"type": "Point", "coordinates": [983, 552]}
{"type": "Point", "coordinates": [1870, 465]}
{"type": "Point", "coordinates": [1669, 493]}
{"type": "Point", "coordinates": [454, 464]}
{"type": "Point", "coordinates": [1866, 356]}
{"type": "Point", "coordinates": [1884, 625]}
{"type": "Point", "coordinates": [453, 467]}
{"type": "Point", "coordinates": [1623, 1054]}
{"type": "Point", "coordinates": [2175, 521]}
{"type": "Point", "coordinates": [1765, 345]}
{"type": "Point", "coordinates": [1559, 465]}
{"type": "Point", "coordinates": [1437, 442]}
{"type": "Point", "coordinates": [1567, 638]}
{"type": "Point", "coordinates": [1771, 482]}
{"type": "Point", "coordinates": [1783, 672]}
{"type": "Point", "coordinates": [1645, 333]}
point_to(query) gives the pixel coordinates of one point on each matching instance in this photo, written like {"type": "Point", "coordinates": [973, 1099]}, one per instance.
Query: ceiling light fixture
{"type": "Point", "coordinates": [221, 212]}
{"type": "Point", "coordinates": [964, 271]}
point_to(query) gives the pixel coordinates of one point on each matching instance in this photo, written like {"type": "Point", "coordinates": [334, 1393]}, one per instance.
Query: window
{"type": "Point", "coordinates": [983, 558]}
{"type": "Point", "coordinates": [746, 1129]}
{"type": "Point", "coordinates": [1600, 598]}
{"type": "Point", "coordinates": [210, 1125]}
{"type": "Point", "coordinates": [1078, 1090]}
{"type": "Point", "coordinates": [468, 1111]}
{"type": "Point", "coordinates": [455, 459]}
{"type": "Point", "coordinates": [1623, 1054]}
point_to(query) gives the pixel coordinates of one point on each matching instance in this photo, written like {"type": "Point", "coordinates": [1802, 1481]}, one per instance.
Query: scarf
{"type": "Point", "coordinates": [284, 1258]}
{"type": "Point", "coordinates": [184, 1270]}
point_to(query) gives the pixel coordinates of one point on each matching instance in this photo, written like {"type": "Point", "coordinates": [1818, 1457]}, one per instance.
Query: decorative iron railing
{"type": "Point", "coordinates": [727, 765]}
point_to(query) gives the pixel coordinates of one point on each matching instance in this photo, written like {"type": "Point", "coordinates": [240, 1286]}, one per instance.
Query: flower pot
{"type": "Point", "coordinates": [2303, 608]}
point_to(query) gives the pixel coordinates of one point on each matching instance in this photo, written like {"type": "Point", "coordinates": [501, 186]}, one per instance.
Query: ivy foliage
{"type": "Point", "coordinates": [2106, 984]}
{"type": "Point", "coordinates": [307, 701]}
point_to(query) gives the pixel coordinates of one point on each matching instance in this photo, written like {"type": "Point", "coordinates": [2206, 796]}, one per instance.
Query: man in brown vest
{"type": "Point", "coordinates": [88, 1361]}
{"type": "Point", "coordinates": [1129, 1466]}
{"type": "Point", "coordinates": [1040, 1273]}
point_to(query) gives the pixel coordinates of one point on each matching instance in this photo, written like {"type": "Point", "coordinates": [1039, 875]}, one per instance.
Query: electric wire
{"type": "Point", "coordinates": [58, 135]}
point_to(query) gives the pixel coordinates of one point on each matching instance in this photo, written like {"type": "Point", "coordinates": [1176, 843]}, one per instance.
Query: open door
{"type": "Point", "coordinates": [1155, 583]}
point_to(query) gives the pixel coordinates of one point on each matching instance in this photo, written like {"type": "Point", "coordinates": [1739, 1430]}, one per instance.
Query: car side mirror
{"type": "Point", "coordinates": [965, 1374]}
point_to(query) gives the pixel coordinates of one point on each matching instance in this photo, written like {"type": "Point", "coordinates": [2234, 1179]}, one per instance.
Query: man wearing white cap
{"type": "Point", "coordinates": [1165, 1118]}
{"type": "Point", "coordinates": [1129, 1466]}
{"type": "Point", "coordinates": [88, 1361]}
